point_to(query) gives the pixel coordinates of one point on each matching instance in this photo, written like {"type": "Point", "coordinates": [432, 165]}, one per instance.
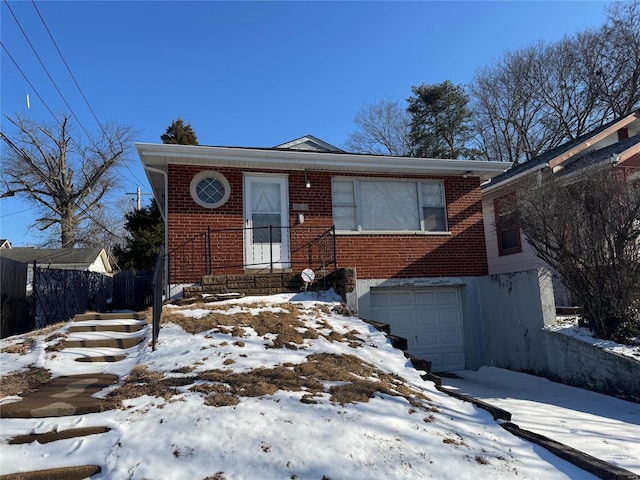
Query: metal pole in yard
{"type": "Point", "coordinates": [270, 248]}
{"type": "Point", "coordinates": [335, 256]}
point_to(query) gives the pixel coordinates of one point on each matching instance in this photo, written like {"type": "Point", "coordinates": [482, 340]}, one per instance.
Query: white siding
{"type": "Point", "coordinates": [515, 262]}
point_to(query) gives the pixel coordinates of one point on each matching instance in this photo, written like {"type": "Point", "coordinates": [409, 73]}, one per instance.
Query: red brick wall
{"type": "Point", "coordinates": [374, 256]}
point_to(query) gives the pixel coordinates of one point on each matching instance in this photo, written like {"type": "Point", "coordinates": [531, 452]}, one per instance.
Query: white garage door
{"type": "Point", "coordinates": [429, 318]}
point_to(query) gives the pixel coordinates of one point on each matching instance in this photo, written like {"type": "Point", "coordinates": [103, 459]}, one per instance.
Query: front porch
{"type": "Point", "coordinates": [218, 257]}
{"type": "Point", "coordinates": [341, 280]}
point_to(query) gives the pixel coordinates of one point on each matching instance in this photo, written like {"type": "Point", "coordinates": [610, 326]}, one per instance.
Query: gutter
{"type": "Point", "coordinates": [490, 187]}
{"type": "Point", "coordinates": [165, 215]}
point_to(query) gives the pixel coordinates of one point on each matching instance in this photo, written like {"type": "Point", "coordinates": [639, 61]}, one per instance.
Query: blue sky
{"type": "Point", "coordinates": [250, 73]}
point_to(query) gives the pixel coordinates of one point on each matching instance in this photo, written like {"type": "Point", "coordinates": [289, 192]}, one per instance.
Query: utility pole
{"type": "Point", "coordinates": [139, 198]}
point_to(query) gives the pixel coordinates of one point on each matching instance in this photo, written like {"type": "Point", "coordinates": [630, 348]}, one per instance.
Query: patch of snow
{"type": "Point", "coordinates": [568, 325]}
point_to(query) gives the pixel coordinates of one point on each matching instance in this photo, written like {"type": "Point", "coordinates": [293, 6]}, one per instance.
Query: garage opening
{"type": "Point", "coordinates": [430, 318]}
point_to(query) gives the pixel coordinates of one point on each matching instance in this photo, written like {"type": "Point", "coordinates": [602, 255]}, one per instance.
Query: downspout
{"type": "Point", "coordinates": [165, 217]}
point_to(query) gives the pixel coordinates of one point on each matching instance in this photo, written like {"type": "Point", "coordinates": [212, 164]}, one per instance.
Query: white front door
{"type": "Point", "coordinates": [266, 218]}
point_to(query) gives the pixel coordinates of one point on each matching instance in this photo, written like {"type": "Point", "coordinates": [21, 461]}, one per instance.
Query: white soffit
{"type": "Point", "coordinates": [160, 155]}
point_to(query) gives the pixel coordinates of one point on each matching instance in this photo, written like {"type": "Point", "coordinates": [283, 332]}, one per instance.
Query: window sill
{"type": "Point", "coordinates": [393, 233]}
{"type": "Point", "coordinates": [505, 253]}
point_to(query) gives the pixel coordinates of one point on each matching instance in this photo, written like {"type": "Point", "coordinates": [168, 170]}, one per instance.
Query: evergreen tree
{"type": "Point", "coordinates": [179, 134]}
{"type": "Point", "coordinates": [439, 121]}
{"type": "Point", "coordinates": [145, 230]}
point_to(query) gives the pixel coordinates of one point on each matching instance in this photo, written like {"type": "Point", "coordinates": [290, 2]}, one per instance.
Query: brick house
{"type": "Point", "coordinates": [616, 144]}
{"type": "Point", "coordinates": [411, 228]}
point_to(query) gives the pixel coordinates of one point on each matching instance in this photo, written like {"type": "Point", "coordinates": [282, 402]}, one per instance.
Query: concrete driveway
{"type": "Point", "coordinates": [602, 426]}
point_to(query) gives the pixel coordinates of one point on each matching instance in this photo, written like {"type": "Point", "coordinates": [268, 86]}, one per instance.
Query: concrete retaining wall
{"type": "Point", "coordinates": [514, 309]}
{"type": "Point", "coordinates": [580, 364]}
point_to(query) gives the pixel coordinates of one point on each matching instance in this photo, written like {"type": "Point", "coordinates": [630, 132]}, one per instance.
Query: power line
{"type": "Point", "coordinates": [47, 71]}
{"type": "Point", "coordinates": [56, 86]}
{"type": "Point", "coordinates": [67, 66]}
{"type": "Point", "coordinates": [15, 213]}
{"type": "Point", "coordinates": [75, 81]}
{"type": "Point", "coordinates": [27, 80]}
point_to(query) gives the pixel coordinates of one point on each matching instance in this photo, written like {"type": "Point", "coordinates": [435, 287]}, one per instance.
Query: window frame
{"type": "Point", "coordinates": [499, 231]}
{"type": "Point", "coordinates": [197, 178]}
{"type": "Point", "coordinates": [357, 205]}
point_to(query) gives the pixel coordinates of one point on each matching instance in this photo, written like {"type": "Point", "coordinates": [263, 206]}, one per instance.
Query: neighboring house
{"type": "Point", "coordinates": [616, 143]}
{"type": "Point", "coordinates": [4, 243]}
{"type": "Point", "coordinates": [411, 227]}
{"type": "Point", "coordinates": [92, 259]}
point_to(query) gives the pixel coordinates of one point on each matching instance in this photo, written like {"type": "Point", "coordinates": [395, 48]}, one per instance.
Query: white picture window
{"type": "Point", "coordinates": [388, 205]}
{"type": "Point", "coordinates": [210, 189]}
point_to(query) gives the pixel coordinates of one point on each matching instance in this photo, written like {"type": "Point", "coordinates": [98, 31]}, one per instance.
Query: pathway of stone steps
{"type": "Point", "coordinates": [93, 339]}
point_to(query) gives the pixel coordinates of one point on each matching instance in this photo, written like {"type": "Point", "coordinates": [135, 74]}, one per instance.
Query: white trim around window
{"type": "Point", "coordinates": [375, 205]}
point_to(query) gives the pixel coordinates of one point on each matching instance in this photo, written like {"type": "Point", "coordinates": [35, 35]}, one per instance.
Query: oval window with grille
{"type": "Point", "coordinates": [210, 189]}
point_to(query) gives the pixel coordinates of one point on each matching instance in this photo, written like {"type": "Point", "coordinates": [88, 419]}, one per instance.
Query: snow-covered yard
{"type": "Point", "coordinates": [315, 395]}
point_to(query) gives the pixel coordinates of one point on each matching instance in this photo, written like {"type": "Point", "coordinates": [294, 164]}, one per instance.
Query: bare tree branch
{"type": "Point", "coordinates": [42, 166]}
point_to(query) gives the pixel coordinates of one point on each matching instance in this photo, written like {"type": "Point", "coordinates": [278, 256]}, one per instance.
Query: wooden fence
{"type": "Point", "coordinates": [15, 316]}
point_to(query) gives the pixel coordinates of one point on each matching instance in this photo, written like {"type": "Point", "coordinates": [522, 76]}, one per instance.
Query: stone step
{"type": "Point", "coordinates": [49, 437]}
{"type": "Point", "coordinates": [62, 397]}
{"type": "Point", "coordinates": [135, 327]}
{"type": "Point", "coordinates": [65, 473]}
{"type": "Point", "coordinates": [254, 284]}
{"type": "Point", "coordinates": [122, 343]}
{"type": "Point", "coordinates": [108, 316]}
{"type": "Point", "coordinates": [102, 358]}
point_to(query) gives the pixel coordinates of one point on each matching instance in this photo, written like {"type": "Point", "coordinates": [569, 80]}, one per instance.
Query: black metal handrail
{"type": "Point", "coordinates": [205, 249]}
{"type": "Point", "coordinates": [157, 297]}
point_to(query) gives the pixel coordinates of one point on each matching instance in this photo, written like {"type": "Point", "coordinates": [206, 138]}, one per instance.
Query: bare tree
{"type": "Point", "coordinates": [61, 175]}
{"type": "Point", "coordinates": [612, 59]}
{"type": "Point", "coordinates": [539, 97]}
{"type": "Point", "coordinates": [383, 128]}
{"type": "Point", "coordinates": [587, 227]}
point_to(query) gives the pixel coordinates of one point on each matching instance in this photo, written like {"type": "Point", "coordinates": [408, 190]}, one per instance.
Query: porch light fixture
{"type": "Point", "coordinates": [307, 182]}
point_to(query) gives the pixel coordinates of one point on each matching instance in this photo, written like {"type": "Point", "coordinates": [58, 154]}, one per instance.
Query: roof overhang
{"type": "Point", "coordinates": [630, 158]}
{"type": "Point", "coordinates": [156, 158]}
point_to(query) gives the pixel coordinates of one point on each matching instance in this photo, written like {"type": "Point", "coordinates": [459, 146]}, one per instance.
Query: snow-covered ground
{"type": "Point", "coordinates": [602, 426]}
{"type": "Point", "coordinates": [412, 432]}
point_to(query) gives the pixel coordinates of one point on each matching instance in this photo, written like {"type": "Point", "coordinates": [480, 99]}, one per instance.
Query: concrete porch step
{"type": "Point", "coordinates": [135, 327]}
{"type": "Point", "coordinates": [62, 397]}
{"type": "Point", "coordinates": [122, 343]}
{"type": "Point", "coordinates": [101, 358]}
{"type": "Point", "coordinates": [255, 284]}
{"type": "Point", "coordinates": [108, 316]}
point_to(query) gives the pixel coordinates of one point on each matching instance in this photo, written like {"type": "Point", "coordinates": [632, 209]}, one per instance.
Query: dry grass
{"type": "Point", "coordinates": [358, 380]}
{"type": "Point", "coordinates": [21, 348]}
{"type": "Point", "coordinates": [142, 381]}
{"type": "Point", "coordinates": [21, 383]}
{"type": "Point", "coordinates": [454, 441]}
{"type": "Point", "coordinates": [25, 345]}
{"type": "Point", "coordinates": [290, 332]}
